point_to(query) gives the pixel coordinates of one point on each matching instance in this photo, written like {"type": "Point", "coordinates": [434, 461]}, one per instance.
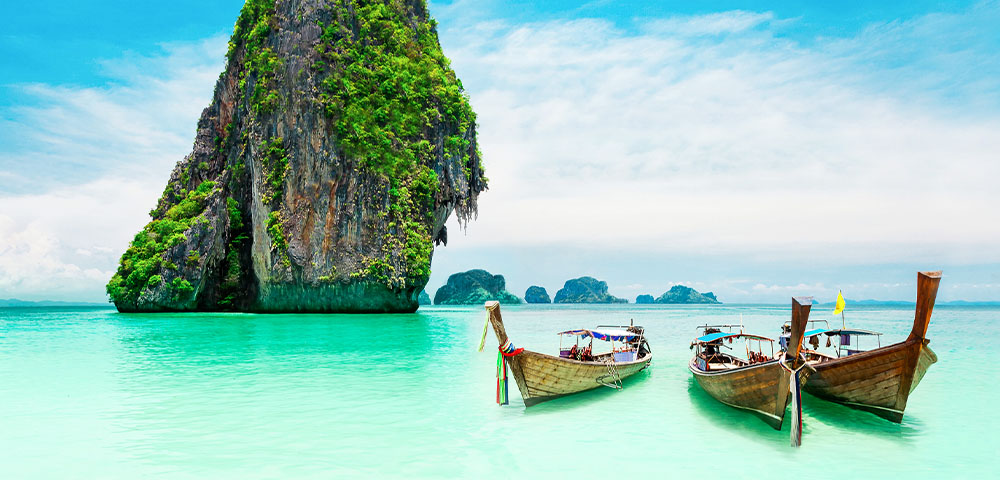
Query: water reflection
{"type": "Point", "coordinates": [738, 421]}
{"type": "Point", "coordinates": [834, 415]}
{"type": "Point", "coordinates": [586, 398]}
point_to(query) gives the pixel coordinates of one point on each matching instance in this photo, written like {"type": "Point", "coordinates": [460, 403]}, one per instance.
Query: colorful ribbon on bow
{"type": "Point", "coordinates": [795, 386]}
{"type": "Point", "coordinates": [504, 351]}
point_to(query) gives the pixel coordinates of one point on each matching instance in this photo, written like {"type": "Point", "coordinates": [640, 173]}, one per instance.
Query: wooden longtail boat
{"type": "Point", "coordinates": [542, 377]}
{"type": "Point", "coordinates": [759, 384]}
{"type": "Point", "coordinates": [879, 380]}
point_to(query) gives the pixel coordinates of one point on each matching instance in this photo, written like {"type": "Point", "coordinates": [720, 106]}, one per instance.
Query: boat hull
{"type": "Point", "coordinates": [543, 377]}
{"type": "Point", "coordinates": [761, 389]}
{"type": "Point", "coordinates": [878, 381]}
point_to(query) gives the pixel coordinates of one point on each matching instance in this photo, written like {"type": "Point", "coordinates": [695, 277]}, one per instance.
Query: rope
{"type": "Point", "coordinates": [482, 341]}
{"type": "Point", "coordinates": [795, 386]}
{"type": "Point", "coordinates": [508, 350]}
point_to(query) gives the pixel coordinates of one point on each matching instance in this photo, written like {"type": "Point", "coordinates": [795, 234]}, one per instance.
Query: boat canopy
{"type": "Point", "coordinates": [605, 334]}
{"type": "Point", "coordinates": [723, 335]}
{"type": "Point", "coordinates": [811, 333]}
{"type": "Point", "coordinates": [849, 332]}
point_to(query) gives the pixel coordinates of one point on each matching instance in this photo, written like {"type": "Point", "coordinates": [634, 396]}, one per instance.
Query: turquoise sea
{"type": "Point", "coordinates": [91, 393]}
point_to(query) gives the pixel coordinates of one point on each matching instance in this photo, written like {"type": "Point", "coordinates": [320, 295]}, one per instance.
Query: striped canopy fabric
{"type": "Point", "coordinates": [607, 335]}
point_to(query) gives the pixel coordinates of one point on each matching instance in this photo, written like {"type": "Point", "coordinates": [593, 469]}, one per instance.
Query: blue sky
{"type": "Point", "coordinates": [756, 149]}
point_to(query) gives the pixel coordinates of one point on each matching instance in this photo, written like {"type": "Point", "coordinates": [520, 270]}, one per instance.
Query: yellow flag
{"type": "Point", "coordinates": [840, 303]}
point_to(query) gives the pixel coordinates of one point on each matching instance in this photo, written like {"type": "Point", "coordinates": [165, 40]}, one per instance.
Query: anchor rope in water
{"type": "Point", "coordinates": [504, 351]}
{"type": "Point", "coordinates": [794, 386]}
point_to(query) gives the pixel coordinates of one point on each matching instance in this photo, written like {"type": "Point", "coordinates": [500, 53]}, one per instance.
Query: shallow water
{"type": "Point", "coordinates": [90, 393]}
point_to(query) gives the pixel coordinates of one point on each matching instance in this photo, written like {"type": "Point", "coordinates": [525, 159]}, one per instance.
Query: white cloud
{"type": "Point", "coordinates": [802, 287]}
{"type": "Point", "coordinates": [710, 24]}
{"type": "Point", "coordinates": [98, 160]}
{"type": "Point", "coordinates": [30, 264]}
{"type": "Point", "coordinates": [138, 125]}
{"type": "Point", "coordinates": [64, 244]}
{"type": "Point", "coordinates": [697, 135]}
{"type": "Point", "coordinates": [749, 144]}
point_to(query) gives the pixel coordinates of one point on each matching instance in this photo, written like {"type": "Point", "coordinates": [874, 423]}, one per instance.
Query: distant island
{"type": "Point", "coordinates": [536, 294]}
{"type": "Point", "coordinates": [478, 286]}
{"type": "Point", "coordinates": [679, 294]}
{"type": "Point", "coordinates": [424, 298]}
{"type": "Point", "coordinates": [644, 299]}
{"type": "Point", "coordinates": [474, 287]}
{"type": "Point", "coordinates": [586, 290]}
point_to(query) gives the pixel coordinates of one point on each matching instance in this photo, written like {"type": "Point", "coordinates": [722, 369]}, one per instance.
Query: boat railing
{"type": "Point", "coordinates": [730, 326]}
{"type": "Point", "coordinates": [808, 322]}
{"type": "Point", "coordinates": [622, 327]}
{"type": "Point", "coordinates": [628, 354]}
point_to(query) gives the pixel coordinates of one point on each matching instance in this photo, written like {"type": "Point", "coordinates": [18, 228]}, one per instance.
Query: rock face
{"type": "Point", "coordinates": [337, 144]}
{"type": "Point", "coordinates": [536, 294]}
{"type": "Point", "coordinates": [474, 287]}
{"type": "Point", "coordinates": [586, 290]}
{"type": "Point", "coordinates": [424, 298]}
{"type": "Point", "coordinates": [682, 294]}
{"type": "Point", "coordinates": [644, 299]}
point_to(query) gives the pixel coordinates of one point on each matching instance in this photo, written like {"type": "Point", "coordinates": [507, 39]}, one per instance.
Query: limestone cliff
{"type": "Point", "coordinates": [586, 290]}
{"type": "Point", "coordinates": [424, 298]}
{"type": "Point", "coordinates": [536, 294]}
{"type": "Point", "coordinates": [686, 295]}
{"type": "Point", "coordinates": [474, 287]}
{"type": "Point", "coordinates": [337, 144]}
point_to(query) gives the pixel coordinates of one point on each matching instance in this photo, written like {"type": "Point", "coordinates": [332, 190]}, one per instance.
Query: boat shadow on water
{"type": "Point", "coordinates": [736, 420]}
{"type": "Point", "coordinates": [588, 398]}
{"type": "Point", "coordinates": [817, 416]}
{"type": "Point", "coordinates": [826, 415]}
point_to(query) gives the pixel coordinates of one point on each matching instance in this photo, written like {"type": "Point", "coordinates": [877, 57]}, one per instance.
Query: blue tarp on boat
{"type": "Point", "coordinates": [851, 332]}
{"type": "Point", "coordinates": [605, 334]}
{"type": "Point", "coordinates": [711, 337]}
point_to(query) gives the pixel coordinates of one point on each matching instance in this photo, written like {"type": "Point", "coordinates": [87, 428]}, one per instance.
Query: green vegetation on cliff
{"type": "Point", "coordinates": [474, 287]}
{"type": "Point", "coordinates": [536, 294]}
{"type": "Point", "coordinates": [386, 85]}
{"type": "Point", "coordinates": [586, 290]}
{"type": "Point", "coordinates": [275, 165]}
{"type": "Point", "coordinates": [252, 28]}
{"type": "Point", "coordinates": [684, 295]}
{"type": "Point", "coordinates": [144, 257]}
{"type": "Point", "coordinates": [337, 144]}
